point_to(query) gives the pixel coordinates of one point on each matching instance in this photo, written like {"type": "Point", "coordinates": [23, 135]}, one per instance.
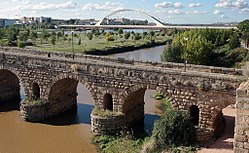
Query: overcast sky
{"type": "Point", "coordinates": [170, 11]}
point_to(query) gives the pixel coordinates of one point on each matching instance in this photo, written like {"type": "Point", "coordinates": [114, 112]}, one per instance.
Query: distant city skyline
{"type": "Point", "coordinates": [169, 11]}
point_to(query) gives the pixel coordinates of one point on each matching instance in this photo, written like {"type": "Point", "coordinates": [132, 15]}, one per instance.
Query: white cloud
{"type": "Point", "coordinates": [218, 12]}
{"type": "Point", "coordinates": [40, 6]}
{"type": "Point", "coordinates": [194, 5]}
{"type": "Point", "coordinates": [169, 5]}
{"type": "Point", "coordinates": [108, 6]}
{"type": "Point", "coordinates": [175, 12]}
{"type": "Point", "coordinates": [196, 12]}
{"type": "Point", "coordinates": [222, 16]}
{"type": "Point", "coordinates": [241, 5]}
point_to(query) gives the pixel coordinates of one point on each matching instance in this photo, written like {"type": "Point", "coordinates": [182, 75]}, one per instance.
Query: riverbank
{"type": "Point", "coordinates": [122, 49]}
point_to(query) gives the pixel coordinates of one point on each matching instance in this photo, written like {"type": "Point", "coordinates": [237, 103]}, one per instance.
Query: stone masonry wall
{"type": "Point", "coordinates": [107, 125]}
{"type": "Point", "coordinates": [211, 92]}
{"type": "Point", "coordinates": [241, 137]}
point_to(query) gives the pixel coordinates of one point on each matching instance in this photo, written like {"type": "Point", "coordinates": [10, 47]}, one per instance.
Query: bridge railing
{"type": "Point", "coordinates": [162, 65]}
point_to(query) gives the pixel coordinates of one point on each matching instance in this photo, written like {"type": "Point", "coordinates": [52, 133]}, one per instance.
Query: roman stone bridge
{"type": "Point", "coordinates": [119, 85]}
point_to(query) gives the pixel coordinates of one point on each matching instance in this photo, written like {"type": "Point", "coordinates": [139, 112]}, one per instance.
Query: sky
{"type": "Point", "coordinates": [168, 11]}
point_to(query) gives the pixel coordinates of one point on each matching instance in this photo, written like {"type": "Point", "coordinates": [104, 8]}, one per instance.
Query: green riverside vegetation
{"type": "Point", "coordinates": [213, 47]}
{"type": "Point", "coordinates": [163, 138]}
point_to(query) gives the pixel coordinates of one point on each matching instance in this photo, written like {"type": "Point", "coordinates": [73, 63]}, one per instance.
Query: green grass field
{"type": "Point", "coordinates": [97, 43]}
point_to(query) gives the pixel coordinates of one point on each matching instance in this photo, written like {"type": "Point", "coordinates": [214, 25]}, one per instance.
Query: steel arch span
{"type": "Point", "coordinates": [158, 22]}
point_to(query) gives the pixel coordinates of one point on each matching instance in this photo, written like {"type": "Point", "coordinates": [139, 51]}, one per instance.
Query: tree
{"type": "Point", "coordinates": [108, 37]}
{"type": "Point", "coordinates": [137, 36]}
{"type": "Point", "coordinates": [172, 53]}
{"type": "Point", "coordinates": [145, 34]}
{"type": "Point", "coordinates": [21, 44]}
{"type": "Point", "coordinates": [152, 34]}
{"type": "Point", "coordinates": [12, 34]}
{"type": "Point", "coordinates": [127, 35]}
{"type": "Point", "coordinates": [23, 36]}
{"type": "Point", "coordinates": [33, 35]}
{"type": "Point", "coordinates": [120, 31]}
{"type": "Point", "coordinates": [53, 40]}
{"type": "Point", "coordinates": [234, 41]}
{"type": "Point", "coordinates": [44, 35]}
{"type": "Point", "coordinates": [79, 42]}
{"type": "Point", "coordinates": [244, 29]}
{"type": "Point", "coordinates": [198, 51]}
{"type": "Point", "coordinates": [90, 36]}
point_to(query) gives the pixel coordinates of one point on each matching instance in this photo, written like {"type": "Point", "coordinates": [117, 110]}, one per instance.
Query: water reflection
{"type": "Point", "coordinates": [147, 54]}
{"type": "Point", "coordinates": [79, 115]}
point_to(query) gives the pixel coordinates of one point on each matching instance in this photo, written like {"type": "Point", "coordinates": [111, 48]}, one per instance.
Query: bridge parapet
{"type": "Point", "coordinates": [162, 65]}
{"type": "Point", "coordinates": [129, 72]}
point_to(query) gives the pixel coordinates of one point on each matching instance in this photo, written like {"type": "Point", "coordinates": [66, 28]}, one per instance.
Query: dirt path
{"type": "Point", "coordinates": [225, 143]}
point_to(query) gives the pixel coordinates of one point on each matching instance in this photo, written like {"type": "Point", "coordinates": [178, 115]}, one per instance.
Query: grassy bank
{"type": "Point", "coordinates": [98, 44]}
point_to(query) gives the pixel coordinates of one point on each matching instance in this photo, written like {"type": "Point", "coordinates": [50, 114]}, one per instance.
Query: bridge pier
{"type": "Point", "coordinates": [241, 135]}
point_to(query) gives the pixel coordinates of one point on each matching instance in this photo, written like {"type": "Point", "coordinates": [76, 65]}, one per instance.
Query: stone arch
{"type": "Point", "coordinates": [74, 77]}
{"type": "Point", "coordinates": [36, 90]}
{"type": "Point", "coordinates": [127, 94]}
{"type": "Point", "coordinates": [63, 95]}
{"type": "Point", "coordinates": [108, 102]}
{"type": "Point", "coordinates": [194, 114]}
{"type": "Point", "coordinates": [10, 85]}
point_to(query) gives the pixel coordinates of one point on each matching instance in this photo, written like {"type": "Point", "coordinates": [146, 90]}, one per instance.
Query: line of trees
{"type": "Point", "coordinates": [209, 46]}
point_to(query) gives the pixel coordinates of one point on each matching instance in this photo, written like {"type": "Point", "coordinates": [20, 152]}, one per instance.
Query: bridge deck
{"type": "Point", "coordinates": [144, 27]}
{"type": "Point", "coordinates": [174, 68]}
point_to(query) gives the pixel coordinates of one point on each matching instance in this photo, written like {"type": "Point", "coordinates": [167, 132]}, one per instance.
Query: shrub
{"type": "Point", "coordinates": [21, 44]}
{"type": "Point", "coordinates": [75, 67]}
{"type": "Point", "coordinates": [174, 128]}
{"type": "Point", "coordinates": [33, 101]}
{"type": "Point", "coordinates": [124, 143]}
{"type": "Point", "coordinates": [158, 95]}
{"type": "Point", "coordinates": [105, 113]}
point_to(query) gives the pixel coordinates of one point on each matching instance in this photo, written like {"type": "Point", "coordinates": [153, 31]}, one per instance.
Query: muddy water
{"type": "Point", "coordinates": [66, 133]}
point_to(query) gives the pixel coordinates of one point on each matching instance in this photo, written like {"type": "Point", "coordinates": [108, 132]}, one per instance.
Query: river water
{"type": "Point", "coordinates": [68, 132]}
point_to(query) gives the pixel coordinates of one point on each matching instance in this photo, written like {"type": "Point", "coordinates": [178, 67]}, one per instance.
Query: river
{"type": "Point", "coordinates": [68, 132]}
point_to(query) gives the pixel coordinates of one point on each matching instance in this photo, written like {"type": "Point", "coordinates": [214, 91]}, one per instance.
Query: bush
{"type": "Point", "coordinates": [158, 95]}
{"type": "Point", "coordinates": [174, 128]}
{"type": "Point", "coordinates": [105, 113]}
{"type": "Point", "coordinates": [21, 44]}
{"type": "Point", "coordinates": [125, 143]}
{"type": "Point", "coordinates": [33, 101]}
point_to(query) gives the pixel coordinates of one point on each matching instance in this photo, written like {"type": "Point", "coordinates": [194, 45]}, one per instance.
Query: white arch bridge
{"type": "Point", "coordinates": [158, 24]}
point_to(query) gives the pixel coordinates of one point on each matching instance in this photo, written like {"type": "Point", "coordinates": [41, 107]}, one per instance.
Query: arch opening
{"type": "Point", "coordinates": [9, 87]}
{"type": "Point", "coordinates": [108, 102]}
{"type": "Point", "coordinates": [63, 95]}
{"type": "Point", "coordinates": [35, 91]}
{"type": "Point", "coordinates": [194, 114]}
{"type": "Point", "coordinates": [71, 102]}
